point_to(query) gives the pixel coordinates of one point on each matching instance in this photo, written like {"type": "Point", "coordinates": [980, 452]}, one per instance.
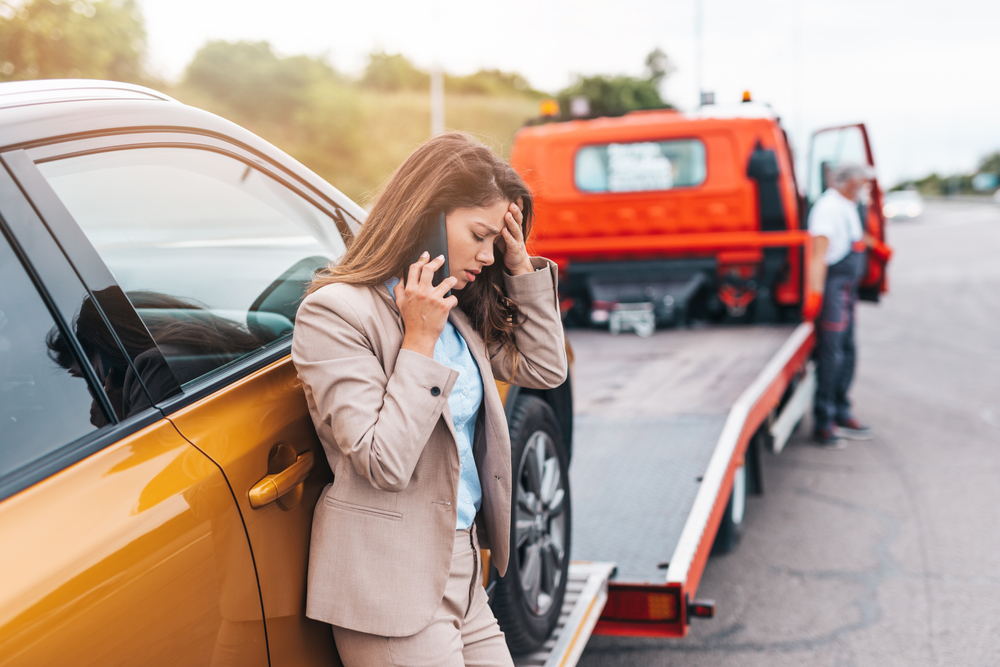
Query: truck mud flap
{"type": "Point", "coordinates": [794, 410]}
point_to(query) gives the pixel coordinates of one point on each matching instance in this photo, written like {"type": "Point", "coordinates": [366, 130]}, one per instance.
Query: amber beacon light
{"type": "Point", "coordinates": [548, 108]}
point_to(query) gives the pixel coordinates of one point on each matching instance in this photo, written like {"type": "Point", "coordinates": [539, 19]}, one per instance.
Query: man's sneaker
{"type": "Point", "coordinates": [853, 429]}
{"type": "Point", "coordinates": [827, 439]}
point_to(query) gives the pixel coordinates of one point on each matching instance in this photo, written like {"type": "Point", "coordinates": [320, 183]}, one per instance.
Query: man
{"type": "Point", "coordinates": [838, 264]}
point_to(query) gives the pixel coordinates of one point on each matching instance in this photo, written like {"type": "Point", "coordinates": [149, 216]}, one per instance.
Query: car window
{"type": "Point", "coordinates": [213, 253]}
{"type": "Point", "coordinates": [638, 166]}
{"type": "Point", "coordinates": [831, 148]}
{"type": "Point", "coordinates": [45, 400]}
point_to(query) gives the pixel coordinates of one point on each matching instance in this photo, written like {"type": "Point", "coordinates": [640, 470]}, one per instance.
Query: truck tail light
{"type": "Point", "coordinates": [600, 311]}
{"type": "Point", "coordinates": [650, 610]}
{"type": "Point", "coordinates": [701, 609]}
{"type": "Point", "coordinates": [639, 603]}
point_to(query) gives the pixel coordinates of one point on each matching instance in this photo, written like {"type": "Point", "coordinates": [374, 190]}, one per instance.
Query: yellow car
{"type": "Point", "coordinates": [158, 465]}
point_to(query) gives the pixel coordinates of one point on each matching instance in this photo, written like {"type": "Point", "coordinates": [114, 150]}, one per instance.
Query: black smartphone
{"type": "Point", "coordinates": [109, 367]}
{"type": "Point", "coordinates": [436, 244]}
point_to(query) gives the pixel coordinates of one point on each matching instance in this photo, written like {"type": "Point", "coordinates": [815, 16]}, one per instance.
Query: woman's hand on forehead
{"type": "Point", "coordinates": [511, 242]}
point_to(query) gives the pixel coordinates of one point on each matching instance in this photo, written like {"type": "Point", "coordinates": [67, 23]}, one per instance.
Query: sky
{"type": "Point", "coordinates": [923, 75]}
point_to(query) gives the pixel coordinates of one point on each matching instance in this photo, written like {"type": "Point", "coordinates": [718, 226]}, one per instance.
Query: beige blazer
{"type": "Point", "coordinates": [383, 532]}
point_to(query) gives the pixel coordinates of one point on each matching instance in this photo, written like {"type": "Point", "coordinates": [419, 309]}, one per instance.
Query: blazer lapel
{"type": "Point", "coordinates": [390, 301]}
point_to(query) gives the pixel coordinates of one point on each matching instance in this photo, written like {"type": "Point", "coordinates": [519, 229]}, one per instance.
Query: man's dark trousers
{"type": "Point", "coordinates": [835, 334]}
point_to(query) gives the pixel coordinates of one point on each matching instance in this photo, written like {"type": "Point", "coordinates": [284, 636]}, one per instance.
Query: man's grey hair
{"type": "Point", "coordinates": [850, 170]}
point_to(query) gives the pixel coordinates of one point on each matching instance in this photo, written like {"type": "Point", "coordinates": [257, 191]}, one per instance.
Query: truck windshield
{"type": "Point", "coordinates": [639, 166]}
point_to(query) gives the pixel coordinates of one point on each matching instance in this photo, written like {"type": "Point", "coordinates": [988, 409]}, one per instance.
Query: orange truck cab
{"type": "Point", "coordinates": [658, 217]}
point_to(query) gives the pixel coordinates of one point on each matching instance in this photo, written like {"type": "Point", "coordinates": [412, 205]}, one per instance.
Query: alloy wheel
{"type": "Point", "coordinates": [540, 522]}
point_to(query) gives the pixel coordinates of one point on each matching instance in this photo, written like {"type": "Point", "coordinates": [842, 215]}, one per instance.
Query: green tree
{"type": "Point", "coordinates": [658, 66]}
{"type": "Point", "coordinates": [990, 164]}
{"type": "Point", "coordinates": [327, 132]}
{"type": "Point", "coordinates": [491, 82]}
{"type": "Point", "coordinates": [299, 103]}
{"type": "Point", "coordinates": [93, 39]}
{"type": "Point", "coordinates": [253, 81]}
{"type": "Point", "coordinates": [393, 72]}
{"type": "Point", "coordinates": [936, 184]}
{"type": "Point", "coordinates": [613, 95]}
{"type": "Point", "coordinates": [351, 132]}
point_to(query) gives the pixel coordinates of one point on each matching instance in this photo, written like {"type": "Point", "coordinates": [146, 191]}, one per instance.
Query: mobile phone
{"type": "Point", "coordinates": [436, 243]}
{"type": "Point", "coordinates": [109, 367]}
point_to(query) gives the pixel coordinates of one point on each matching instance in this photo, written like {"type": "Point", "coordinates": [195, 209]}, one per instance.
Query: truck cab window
{"type": "Point", "coordinates": [640, 166]}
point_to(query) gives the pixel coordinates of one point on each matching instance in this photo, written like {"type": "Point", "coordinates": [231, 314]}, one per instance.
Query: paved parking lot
{"type": "Point", "coordinates": [888, 552]}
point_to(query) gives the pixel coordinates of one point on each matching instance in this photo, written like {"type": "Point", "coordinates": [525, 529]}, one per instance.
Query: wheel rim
{"type": "Point", "coordinates": [540, 522]}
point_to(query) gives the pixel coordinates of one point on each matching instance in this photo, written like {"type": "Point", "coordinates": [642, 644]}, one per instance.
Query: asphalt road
{"type": "Point", "coordinates": [888, 552]}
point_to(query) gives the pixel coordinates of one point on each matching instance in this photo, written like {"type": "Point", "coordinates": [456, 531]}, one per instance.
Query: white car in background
{"type": "Point", "coordinates": [902, 204]}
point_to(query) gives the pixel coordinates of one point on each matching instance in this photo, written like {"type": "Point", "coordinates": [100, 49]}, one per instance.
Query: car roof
{"type": "Point", "coordinates": [50, 111]}
{"type": "Point", "coordinates": [28, 93]}
{"type": "Point", "coordinates": [33, 112]}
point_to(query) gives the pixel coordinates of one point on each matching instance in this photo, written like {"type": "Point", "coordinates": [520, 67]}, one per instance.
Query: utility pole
{"type": "Point", "coordinates": [437, 100]}
{"type": "Point", "coordinates": [800, 137]}
{"type": "Point", "coordinates": [698, 51]}
{"type": "Point", "coordinates": [437, 74]}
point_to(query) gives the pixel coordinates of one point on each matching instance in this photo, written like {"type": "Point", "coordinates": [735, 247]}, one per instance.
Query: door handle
{"type": "Point", "coordinates": [274, 486]}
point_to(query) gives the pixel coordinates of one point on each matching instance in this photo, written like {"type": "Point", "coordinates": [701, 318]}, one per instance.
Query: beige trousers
{"type": "Point", "coordinates": [462, 633]}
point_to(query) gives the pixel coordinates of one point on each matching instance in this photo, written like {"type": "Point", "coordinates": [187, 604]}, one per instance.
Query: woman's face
{"type": "Point", "coordinates": [471, 235]}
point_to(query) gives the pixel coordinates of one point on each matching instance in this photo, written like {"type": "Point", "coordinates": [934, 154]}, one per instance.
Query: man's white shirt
{"type": "Point", "coordinates": [836, 217]}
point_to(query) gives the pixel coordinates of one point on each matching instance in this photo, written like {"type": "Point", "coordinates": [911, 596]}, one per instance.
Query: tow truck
{"type": "Point", "coordinates": [694, 224]}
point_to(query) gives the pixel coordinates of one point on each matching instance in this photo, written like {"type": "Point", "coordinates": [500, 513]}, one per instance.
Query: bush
{"type": "Point", "coordinates": [393, 72]}
{"type": "Point", "coordinates": [491, 82]}
{"type": "Point", "coordinates": [616, 95]}
{"type": "Point", "coordinates": [55, 39]}
{"type": "Point", "coordinates": [253, 81]}
{"type": "Point", "coordinates": [613, 95]}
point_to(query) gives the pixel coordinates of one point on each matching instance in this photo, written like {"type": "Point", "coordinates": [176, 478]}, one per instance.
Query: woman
{"type": "Point", "coordinates": [399, 377]}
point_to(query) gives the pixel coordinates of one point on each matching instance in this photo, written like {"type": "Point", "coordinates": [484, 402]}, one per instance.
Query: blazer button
{"type": "Point", "coordinates": [435, 391]}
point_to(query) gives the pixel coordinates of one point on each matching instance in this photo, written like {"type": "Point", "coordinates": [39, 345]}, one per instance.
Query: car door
{"type": "Point", "coordinates": [122, 542]}
{"type": "Point", "coordinates": [831, 147]}
{"type": "Point", "coordinates": [214, 247]}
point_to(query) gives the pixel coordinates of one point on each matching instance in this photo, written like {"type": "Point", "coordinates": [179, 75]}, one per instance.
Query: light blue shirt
{"type": "Point", "coordinates": [463, 402]}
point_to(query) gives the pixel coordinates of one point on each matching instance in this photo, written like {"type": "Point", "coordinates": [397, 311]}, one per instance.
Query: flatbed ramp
{"type": "Point", "coordinates": [635, 485]}
{"type": "Point", "coordinates": [586, 593]}
{"type": "Point", "coordinates": [650, 415]}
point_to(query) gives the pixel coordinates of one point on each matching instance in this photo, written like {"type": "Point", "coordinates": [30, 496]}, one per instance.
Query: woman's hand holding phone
{"type": "Point", "coordinates": [423, 306]}
{"type": "Point", "coordinates": [511, 242]}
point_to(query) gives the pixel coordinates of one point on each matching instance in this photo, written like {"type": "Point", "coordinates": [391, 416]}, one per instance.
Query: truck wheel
{"type": "Point", "coordinates": [731, 527]}
{"type": "Point", "coordinates": [528, 599]}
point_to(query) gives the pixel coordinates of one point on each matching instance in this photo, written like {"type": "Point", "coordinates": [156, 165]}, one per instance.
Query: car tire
{"type": "Point", "coordinates": [731, 528]}
{"type": "Point", "coordinates": [528, 599]}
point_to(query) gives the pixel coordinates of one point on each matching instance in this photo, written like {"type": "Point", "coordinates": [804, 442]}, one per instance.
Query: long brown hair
{"type": "Point", "coordinates": [448, 172]}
